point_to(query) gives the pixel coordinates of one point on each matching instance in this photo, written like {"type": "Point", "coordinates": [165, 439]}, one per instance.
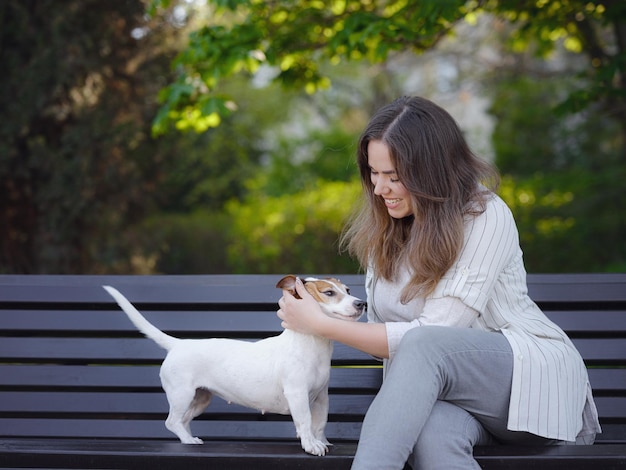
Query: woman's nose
{"type": "Point", "coordinates": [380, 187]}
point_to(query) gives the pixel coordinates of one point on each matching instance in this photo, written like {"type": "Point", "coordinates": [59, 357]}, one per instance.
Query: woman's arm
{"type": "Point", "coordinates": [305, 316]}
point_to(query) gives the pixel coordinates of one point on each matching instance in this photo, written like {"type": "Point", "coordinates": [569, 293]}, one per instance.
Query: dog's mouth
{"type": "Point", "coordinates": [348, 316]}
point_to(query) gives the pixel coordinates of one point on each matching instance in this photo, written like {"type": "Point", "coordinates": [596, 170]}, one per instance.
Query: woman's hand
{"type": "Point", "coordinates": [303, 315]}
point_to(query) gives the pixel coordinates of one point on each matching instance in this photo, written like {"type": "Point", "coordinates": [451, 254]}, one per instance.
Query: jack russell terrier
{"type": "Point", "coordinates": [285, 374]}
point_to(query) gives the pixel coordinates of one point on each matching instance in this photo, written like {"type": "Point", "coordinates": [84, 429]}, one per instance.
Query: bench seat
{"type": "Point", "coordinates": [79, 386]}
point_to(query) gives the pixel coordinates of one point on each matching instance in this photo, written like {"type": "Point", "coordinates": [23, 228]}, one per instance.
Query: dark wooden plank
{"type": "Point", "coordinates": [551, 457]}
{"type": "Point", "coordinates": [108, 350]}
{"type": "Point", "coordinates": [232, 290]}
{"type": "Point", "coordinates": [134, 404]}
{"type": "Point", "coordinates": [123, 405]}
{"type": "Point", "coordinates": [49, 322]}
{"type": "Point", "coordinates": [159, 294]}
{"type": "Point", "coordinates": [233, 323]}
{"type": "Point", "coordinates": [179, 280]}
{"type": "Point", "coordinates": [33, 404]}
{"type": "Point", "coordinates": [144, 377]}
{"type": "Point", "coordinates": [205, 321]}
{"type": "Point", "coordinates": [93, 350]}
{"type": "Point", "coordinates": [155, 429]}
{"type": "Point", "coordinates": [611, 408]}
{"type": "Point", "coordinates": [129, 350]}
{"type": "Point", "coordinates": [83, 377]}
{"type": "Point", "coordinates": [603, 350]}
{"type": "Point", "coordinates": [612, 434]}
{"type": "Point", "coordinates": [603, 379]}
{"type": "Point", "coordinates": [597, 287]}
{"type": "Point", "coordinates": [591, 322]}
{"type": "Point", "coordinates": [138, 455]}
{"type": "Point", "coordinates": [238, 288]}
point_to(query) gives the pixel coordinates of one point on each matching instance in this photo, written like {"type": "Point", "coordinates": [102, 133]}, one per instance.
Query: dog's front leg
{"type": "Point", "coordinates": [319, 415]}
{"type": "Point", "coordinates": [298, 400]}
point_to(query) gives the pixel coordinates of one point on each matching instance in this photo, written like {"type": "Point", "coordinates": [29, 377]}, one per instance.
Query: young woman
{"type": "Point", "coordinates": [468, 357]}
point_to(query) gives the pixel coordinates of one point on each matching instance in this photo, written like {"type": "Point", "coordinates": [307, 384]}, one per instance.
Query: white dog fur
{"type": "Point", "coordinates": [285, 374]}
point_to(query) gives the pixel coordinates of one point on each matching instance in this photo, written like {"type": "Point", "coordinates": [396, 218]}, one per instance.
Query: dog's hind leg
{"type": "Point", "coordinates": [182, 400]}
{"type": "Point", "coordinates": [197, 406]}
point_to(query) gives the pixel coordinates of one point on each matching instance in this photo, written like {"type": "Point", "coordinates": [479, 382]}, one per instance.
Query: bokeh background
{"type": "Point", "coordinates": [187, 136]}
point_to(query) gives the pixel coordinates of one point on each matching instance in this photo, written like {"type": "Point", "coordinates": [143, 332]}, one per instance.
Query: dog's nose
{"type": "Point", "coordinates": [359, 304]}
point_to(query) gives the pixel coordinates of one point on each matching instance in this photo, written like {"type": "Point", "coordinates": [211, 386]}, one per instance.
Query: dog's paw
{"type": "Point", "coordinates": [193, 441]}
{"type": "Point", "coordinates": [322, 438]}
{"type": "Point", "coordinates": [314, 447]}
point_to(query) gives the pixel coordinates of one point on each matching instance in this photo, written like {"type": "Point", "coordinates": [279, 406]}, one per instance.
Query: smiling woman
{"type": "Point", "coordinates": [385, 180]}
{"type": "Point", "coordinates": [467, 355]}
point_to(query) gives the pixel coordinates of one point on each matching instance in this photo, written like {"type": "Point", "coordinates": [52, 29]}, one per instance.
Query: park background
{"type": "Point", "coordinates": [186, 136]}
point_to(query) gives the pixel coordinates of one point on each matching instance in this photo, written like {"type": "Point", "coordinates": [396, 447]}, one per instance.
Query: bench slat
{"type": "Point", "coordinates": [568, 288]}
{"type": "Point", "coordinates": [103, 350]}
{"type": "Point", "coordinates": [229, 290]}
{"type": "Point", "coordinates": [176, 323]}
{"type": "Point", "coordinates": [608, 379]}
{"type": "Point", "coordinates": [155, 429]}
{"type": "Point", "coordinates": [139, 455]}
{"type": "Point", "coordinates": [128, 403]}
{"type": "Point", "coordinates": [134, 404]}
{"type": "Point", "coordinates": [180, 323]}
{"type": "Point", "coordinates": [112, 350]}
{"type": "Point", "coordinates": [590, 322]}
{"type": "Point", "coordinates": [144, 377]}
{"type": "Point", "coordinates": [234, 289]}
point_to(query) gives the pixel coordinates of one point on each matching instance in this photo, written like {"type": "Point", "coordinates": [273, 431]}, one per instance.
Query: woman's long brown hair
{"type": "Point", "coordinates": [447, 183]}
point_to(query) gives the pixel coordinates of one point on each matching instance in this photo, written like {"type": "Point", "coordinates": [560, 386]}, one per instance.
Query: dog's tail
{"type": "Point", "coordinates": [162, 339]}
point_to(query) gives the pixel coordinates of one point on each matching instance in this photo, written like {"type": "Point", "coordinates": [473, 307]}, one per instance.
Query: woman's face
{"type": "Point", "coordinates": [385, 180]}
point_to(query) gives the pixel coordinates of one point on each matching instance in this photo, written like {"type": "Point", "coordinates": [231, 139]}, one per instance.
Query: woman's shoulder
{"type": "Point", "coordinates": [495, 214]}
{"type": "Point", "coordinates": [488, 203]}
{"type": "Point", "coordinates": [496, 203]}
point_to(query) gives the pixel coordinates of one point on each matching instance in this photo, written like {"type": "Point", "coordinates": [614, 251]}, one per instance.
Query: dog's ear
{"type": "Point", "coordinates": [288, 283]}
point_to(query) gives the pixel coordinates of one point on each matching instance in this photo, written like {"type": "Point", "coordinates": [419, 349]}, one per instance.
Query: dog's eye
{"type": "Point", "coordinates": [329, 293]}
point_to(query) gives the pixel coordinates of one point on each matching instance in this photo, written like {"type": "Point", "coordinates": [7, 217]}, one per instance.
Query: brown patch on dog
{"type": "Point", "coordinates": [314, 287]}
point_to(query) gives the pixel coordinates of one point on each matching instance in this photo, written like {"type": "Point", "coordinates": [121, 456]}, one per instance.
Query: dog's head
{"type": "Point", "coordinates": [332, 295]}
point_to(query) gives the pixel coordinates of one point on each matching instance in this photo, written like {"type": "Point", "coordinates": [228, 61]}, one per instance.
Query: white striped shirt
{"type": "Point", "coordinates": [486, 288]}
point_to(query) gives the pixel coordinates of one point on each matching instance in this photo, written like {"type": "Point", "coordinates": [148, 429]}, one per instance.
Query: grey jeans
{"type": "Point", "coordinates": [446, 390]}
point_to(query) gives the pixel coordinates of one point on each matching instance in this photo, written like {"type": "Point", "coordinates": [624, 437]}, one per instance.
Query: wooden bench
{"type": "Point", "coordinates": [79, 386]}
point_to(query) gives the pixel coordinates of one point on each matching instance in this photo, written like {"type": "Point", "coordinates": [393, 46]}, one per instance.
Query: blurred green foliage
{"type": "Point", "coordinates": [295, 233]}
{"type": "Point", "coordinates": [97, 176]}
{"type": "Point", "coordinates": [304, 35]}
{"type": "Point", "coordinates": [74, 160]}
{"type": "Point", "coordinates": [296, 207]}
{"type": "Point", "coordinates": [186, 243]}
{"type": "Point", "coordinates": [563, 178]}
{"type": "Point", "coordinates": [307, 33]}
